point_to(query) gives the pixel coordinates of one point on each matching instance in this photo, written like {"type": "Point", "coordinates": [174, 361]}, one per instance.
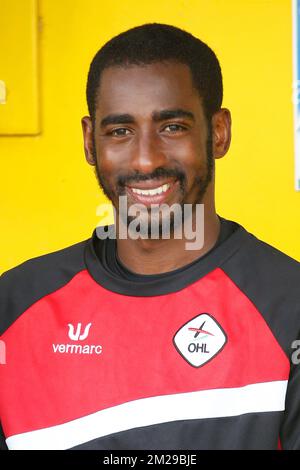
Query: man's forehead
{"type": "Point", "coordinates": [163, 85]}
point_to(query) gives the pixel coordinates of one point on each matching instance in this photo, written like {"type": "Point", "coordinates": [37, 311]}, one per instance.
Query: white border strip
{"type": "Point", "coordinates": [261, 397]}
{"type": "Point", "coordinates": [296, 91]}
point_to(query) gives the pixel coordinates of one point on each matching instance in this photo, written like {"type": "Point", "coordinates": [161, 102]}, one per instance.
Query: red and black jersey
{"type": "Point", "coordinates": [198, 358]}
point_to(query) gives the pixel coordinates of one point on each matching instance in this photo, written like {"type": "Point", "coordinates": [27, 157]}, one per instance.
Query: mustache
{"type": "Point", "coordinates": [158, 173]}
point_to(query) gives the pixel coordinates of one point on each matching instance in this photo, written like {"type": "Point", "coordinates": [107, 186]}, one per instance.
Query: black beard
{"type": "Point", "coordinates": [122, 180]}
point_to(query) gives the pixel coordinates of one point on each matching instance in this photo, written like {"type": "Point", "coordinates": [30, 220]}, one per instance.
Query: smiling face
{"type": "Point", "coordinates": [150, 139]}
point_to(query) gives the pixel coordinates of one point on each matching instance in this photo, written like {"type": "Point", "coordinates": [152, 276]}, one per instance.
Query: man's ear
{"type": "Point", "coordinates": [221, 132]}
{"type": "Point", "coordinates": [87, 129]}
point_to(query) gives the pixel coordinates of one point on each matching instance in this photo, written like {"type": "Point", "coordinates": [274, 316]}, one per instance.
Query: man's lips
{"type": "Point", "coordinates": [152, 191]}
{"type": "Point", "coordinates": [151, 184]}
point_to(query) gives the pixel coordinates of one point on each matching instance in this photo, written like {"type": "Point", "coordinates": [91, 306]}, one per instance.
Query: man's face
{"type": "Point", "coordinates": [151, 141]}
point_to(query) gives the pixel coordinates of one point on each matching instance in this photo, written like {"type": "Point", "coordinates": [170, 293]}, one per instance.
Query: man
{"type": "Point", "coordinates": [140, 341]}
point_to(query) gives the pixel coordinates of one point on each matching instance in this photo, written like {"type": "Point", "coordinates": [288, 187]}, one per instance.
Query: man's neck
{"type": "Point", "coordinates": [148, 256]}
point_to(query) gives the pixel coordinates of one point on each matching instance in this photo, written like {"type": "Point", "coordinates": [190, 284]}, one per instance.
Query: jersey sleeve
{"type": "Point", "coordinates": [290, 428]}
{"type": "Point", "coordinates": [271, 281]}
{"type": "Point", "coordinates": [23, 286]}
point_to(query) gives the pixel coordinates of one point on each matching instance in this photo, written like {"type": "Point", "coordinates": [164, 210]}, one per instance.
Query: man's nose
{"type": "Point", "coordinates": [148, 155]}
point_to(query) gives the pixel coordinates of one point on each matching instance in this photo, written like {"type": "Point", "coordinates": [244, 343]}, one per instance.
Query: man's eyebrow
{"type": "Point", "coordinates": [116, 119]}
{"type": "Point", "coordinates": [156, 116]}
{"type": "Point", "coordinates": [172, 114]}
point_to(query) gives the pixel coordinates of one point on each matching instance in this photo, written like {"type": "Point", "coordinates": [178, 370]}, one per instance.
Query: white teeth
{"type": "Point", "coordinates": [151, 192]}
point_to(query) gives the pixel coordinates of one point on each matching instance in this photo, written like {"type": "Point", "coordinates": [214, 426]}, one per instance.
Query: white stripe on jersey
{"type": "Point", "coordinates": [216, 403]}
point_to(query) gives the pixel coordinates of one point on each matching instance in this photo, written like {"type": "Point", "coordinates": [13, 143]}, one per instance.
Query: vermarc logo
{"type": "Point", "coordinates": [76, 335]}
{"type": "Point", "coordinates": [200, 339]}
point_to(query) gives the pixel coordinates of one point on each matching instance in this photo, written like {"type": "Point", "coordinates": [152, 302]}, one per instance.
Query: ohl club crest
{"type": "Point", "coordinates": [200, 339]}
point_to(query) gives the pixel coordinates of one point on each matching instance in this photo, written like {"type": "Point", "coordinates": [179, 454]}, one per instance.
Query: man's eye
{"type": "Point", "coordinates": [120, 132]}
{"type": "Point", "coordinates": [172, 128]}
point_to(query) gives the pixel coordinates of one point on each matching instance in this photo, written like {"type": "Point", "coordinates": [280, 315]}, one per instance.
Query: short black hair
{"type": "Point", "coordinates": [155, 42]}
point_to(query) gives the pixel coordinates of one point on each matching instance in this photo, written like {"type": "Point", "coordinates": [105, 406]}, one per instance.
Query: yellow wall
{"type": "Point", "coordinates": [49, 194]}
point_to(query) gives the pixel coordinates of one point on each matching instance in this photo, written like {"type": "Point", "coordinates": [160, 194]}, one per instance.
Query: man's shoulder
{"type": "Point", "coordinates": [264, 256]}
{"type": "Point", "coordinates": [249, 254]}
{"type": "Point", "coordinates": [258, 262]}
{"type": "Point", "coordinates": [70, 258]}
{"type": "Point", "coordinates": [270, 279]}
{"type": "Point", "coordinates": [35, 278]}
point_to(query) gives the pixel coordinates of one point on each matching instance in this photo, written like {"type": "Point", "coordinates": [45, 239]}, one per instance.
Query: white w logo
{"type": "Point", "coordinates": [77, 336]}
